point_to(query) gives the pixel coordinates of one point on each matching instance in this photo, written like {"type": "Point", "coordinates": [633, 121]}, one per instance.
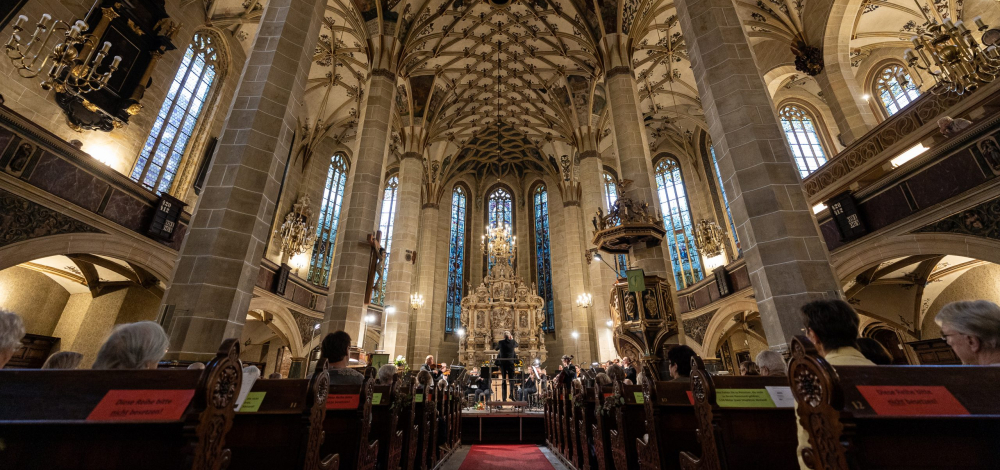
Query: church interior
{"type": "Point", "coordinates": [650, 202]}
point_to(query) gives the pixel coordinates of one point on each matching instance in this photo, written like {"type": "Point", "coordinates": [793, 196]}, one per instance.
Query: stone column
{"type": "Point", "coordinates": [359, 217]}
{"type": "Point", "coordinates": [427, 260]}
{"type": "Point", "coordinates": [853, 115]}
{"type": "Point", "coordinates": [785, 255]}
{"type": "Point", "coordinates": [218, 263]}
{"type": "Point", "coordinates": [632, 143]}
{"type": "Point", "coordinates": [575, 272]}
{"type": "Point", "coordinates": [601, 277]}
{"type": "Point", "coordinates": [406, 226]}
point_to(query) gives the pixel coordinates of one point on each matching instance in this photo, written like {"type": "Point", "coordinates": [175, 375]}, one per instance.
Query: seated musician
{"type": "Point", "coordinates": [530, 384]}
{"type": "Point", "coordinates": [430, 367]}
{"type": "Point", "coordinates": [679, 363]}
{"type": "Point", "coordinates": [832, 326]}
{"type": "Point", "coordinates": [484, 385]}
{"type": "Point", "coordinates": [334, 349]}
{"type": "Point", "coordinates": [11, 332]}
{"type": "Point", "coordinates": [133, 346]}
{"type": "Point", "coordinates": [972, 329]}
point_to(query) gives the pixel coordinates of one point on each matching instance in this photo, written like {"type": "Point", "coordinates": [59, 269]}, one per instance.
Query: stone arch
{"type": "Point", "coordinates": [159, 262]}
{"type": "Point", "coordinates": [720, 321]}
{"type": "Point", "coordinates": [283, 324]}
{"type": "Point", "coordinates": [851, 261]}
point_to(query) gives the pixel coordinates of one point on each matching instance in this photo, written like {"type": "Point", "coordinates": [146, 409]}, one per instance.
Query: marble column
{"type": "Point", "coordinates": [420, 346]}
{"type": "Point", "coordinates": [602, 278]}
{"type": "Point", "coordinates": [853, 115]}
{"type": "Point", "coordinates": [406, 226]}
{"type": "Point", "coordinates": [575, 246]}
{"type": "Point", "coordinates": [359, 218]}
{"type": "Point", "coordinates": [218, 263]}
{"type": "Point", "coordinates": [632, 143]}
{"type": "Point", "coordinates": [785, 255]}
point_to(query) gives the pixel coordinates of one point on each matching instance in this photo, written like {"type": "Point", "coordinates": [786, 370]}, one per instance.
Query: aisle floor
{"type": "Point", "coordinates": [489, 457]}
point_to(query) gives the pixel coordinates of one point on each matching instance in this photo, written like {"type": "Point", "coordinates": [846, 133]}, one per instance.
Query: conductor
{"type": "Point", "coordinates": [506, 358]}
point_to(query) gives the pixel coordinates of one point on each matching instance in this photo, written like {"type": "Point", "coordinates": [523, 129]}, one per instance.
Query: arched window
{"type": "Point", "coordinates": [895, 96]}
{"type": "Point", "coordinates": [499, 211]}
{"type": "Point", "coordinates": [543, 266]}
{"type": "Point", "coordinates": [161, 154]}
{"type": "Point", "coordinates": [802, 137]}
{"type": "Point", "coordinates": [725, 201]}
{"type": "Point", "coordinates": [456, 259]}
{"type": "Point", "coordinates": [329, 219]}
{"type": "Point", "coordinates": [611, 193]}
{"type": "Point", "coordinates": [385, 224]}
{"type": "Point", "coordinates": [677, 221]}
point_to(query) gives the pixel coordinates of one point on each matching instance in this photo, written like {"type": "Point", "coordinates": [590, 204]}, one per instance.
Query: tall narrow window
{"type": "Point", "coordinates": [161, 154]}
{"type": "Point", "coordinates": [385, 225]}
{"type": "Point", "coordinates": [725, 200]}
{"type": "Point", "coordinates": [456, 259]}
{"type": "Point", "coordinates": [611, 193]}
{"type": "Point", "coordinates": [499, 211]}
{"type": "Point", "coordinates": [677, 222]}
{"type": "Point", "coordinates": [802, 137]}
{"type": "Point", "coordinates": [329, 219]}
{"type": "Point", "coordinates": [543, 266]}
{"type": "Point", "coordinates": [894, 95]}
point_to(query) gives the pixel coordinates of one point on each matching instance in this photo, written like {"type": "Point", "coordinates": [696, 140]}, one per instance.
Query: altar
{"type": "Point", "coordinates": [503, 302]}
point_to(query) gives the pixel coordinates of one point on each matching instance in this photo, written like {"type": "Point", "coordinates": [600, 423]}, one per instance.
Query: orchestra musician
{"type": "Point", "coordinates": [567, 371]}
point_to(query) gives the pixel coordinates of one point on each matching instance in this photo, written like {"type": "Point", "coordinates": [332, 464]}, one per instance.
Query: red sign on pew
{"type": "Point", "coordinates": [342, 402]}
{"type": "Point", "coordinates": [142, 405]}
{"type": "Point", "coordinates": [912, 400]}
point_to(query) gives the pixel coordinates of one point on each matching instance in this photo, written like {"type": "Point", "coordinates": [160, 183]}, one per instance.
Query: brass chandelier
{"type": "Point", "coordinates": [951, 56]}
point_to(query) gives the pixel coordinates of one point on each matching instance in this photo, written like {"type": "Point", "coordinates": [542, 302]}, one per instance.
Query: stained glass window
{"type": "Point", "coordinates": [677, 221]}
{"type": "Point", "coordinates": [329, 219]}
{"type": "Point", "coordinates": [543, 266]}
{"type": "Point", "coordinates": [611, 195]}
{"type": "Point", "coordinates": [161, 154]}
{"type": "Point", "coordinates": [456, 259]}
{"type": "Point", "coordinates": [894, 95]}
{"type": "Point", "coordinates": [725, 201]}
{"type": "Point", "coordinates": [389, 201]}
{"type": "Point", "coordinates": [499, 211]}
{"type": "Point", "coordinates": [802, 137]}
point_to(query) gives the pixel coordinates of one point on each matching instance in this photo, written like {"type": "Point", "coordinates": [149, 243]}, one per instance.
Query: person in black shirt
{"type": "Point", "coordinates": [629, 370]}
{"type": "Point", "coordinates": [567, 370]}
{"type": "Point", "coordinates": [506, 358]}
{"type": "Point", "coordinates": [482, 384]}
{"type": "Point", "coordinates": [431, 367]}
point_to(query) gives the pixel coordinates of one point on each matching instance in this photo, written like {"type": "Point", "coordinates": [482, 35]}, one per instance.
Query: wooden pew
{"type": "Point", "coordinates": [421, 413]}
{"type": "Point", "coordinates": [566, 421]}
{"type": "Point", "coordinates": [670, 425]}
{"type": "Point", "coordinates": [630, 426]}
{"type": "Point", "coordinates": [745, 433]}
{"type": "Point", "coordinates": [387, 427]}
{"type": "Point", "coordinates": [348, 426]}
{"type": "Point", "coordinates": [852, 425]}
{"type": "Point", "coordinates": [457, 401]}
{"type": "Point", "coordinates": [286, 430]}
{"type": "Point", "coordinates": [67, 419]}
{"type": "Point", "coordinates": [600, 430]}
{"type": "Point", "coordinates": [546, 398]}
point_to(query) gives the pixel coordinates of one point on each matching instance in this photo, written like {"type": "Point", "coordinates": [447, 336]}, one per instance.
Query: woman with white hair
{"type": "Point", "coordinates": [972, 329]}
{"type": "Point", "coordinates": [771, 363]}
{"type": "Point", "coordinates": [11, 332]}
{"type": "Point", "coordinates": [133, 346]}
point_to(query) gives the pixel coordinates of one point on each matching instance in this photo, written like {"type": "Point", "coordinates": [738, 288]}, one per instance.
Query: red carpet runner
{"type": "Point", "coordinates": [521, 457]}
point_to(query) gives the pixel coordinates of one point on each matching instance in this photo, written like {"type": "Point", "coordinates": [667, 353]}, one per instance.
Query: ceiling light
{"type": "Point", "coordinates": [909, 154]}
{"type": "Point", "coordinates": [819, 208]}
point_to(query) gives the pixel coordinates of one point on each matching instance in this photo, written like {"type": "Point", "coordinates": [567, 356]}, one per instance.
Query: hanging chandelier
{"type": "Point", "coordinates": [951, 56]}
{"type": "Point", "coordinates": [296, 233]}
{"type": "Point", "coordinates": [708, 237]}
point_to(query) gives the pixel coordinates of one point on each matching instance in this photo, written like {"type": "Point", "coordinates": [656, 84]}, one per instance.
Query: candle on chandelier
{"type": "Point", "coordinates": [20, 21]}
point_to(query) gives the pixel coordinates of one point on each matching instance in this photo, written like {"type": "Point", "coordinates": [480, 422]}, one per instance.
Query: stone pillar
{"type": "Point", "coordinates": [217, 266]}
{"type": "Point", "coordinates": [785, 255]}
{"type": "Point", "coordinates": [359, 214]}
{"type": "Point", "coordinates": [632, 143]}
{"type": "Point", "coordinates": [575, 272]}
{"type": "Point", "coordinates": [406, 226]}
{"type": "Point", "coordinates": [602, 278]}
{"type": "Point", "coordinates": [853, 115]}
{"type": "Point", "coordinates": [427, 260]}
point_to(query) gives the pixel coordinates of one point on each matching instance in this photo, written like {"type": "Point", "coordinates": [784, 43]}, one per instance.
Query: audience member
{"type": "Point", "coordinates": [832, 326]}
{"type": "Point", "coordinates": [629, 370]}
{"type": "Point", "coordinates": [771, 363]}
{"type": "Point", "coordinates": [385, 374]}
{"type": "Point", "coordinates": [274, 376]}
{"type": "Point", "coordinates": [616, 372]}
{"type": "Point", "coordinates": [196, 366]}
{"type": "Point", "coordinates": [334, 349]}
{"type": "Point", "coordinates": [972, 329]}
{"type": "Point", "coordinates": [640, 378]}
{"type": "Point", "coordinates": [603, 379]}
{"type": "Point", "coordinates": [749, 368]}
{"type": "Point", "coordinates": [133, 346]}
{"type": "Point", "coordinates": [679, 363]}
{"type": "Point", "coordinates": [874, 351]}
{"type": "Point", "coordinates": [424, 378]}
{"type": "Point", "coordinates": [63, 360]}
{"type": "Point", "coordinates": [11, 332]}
